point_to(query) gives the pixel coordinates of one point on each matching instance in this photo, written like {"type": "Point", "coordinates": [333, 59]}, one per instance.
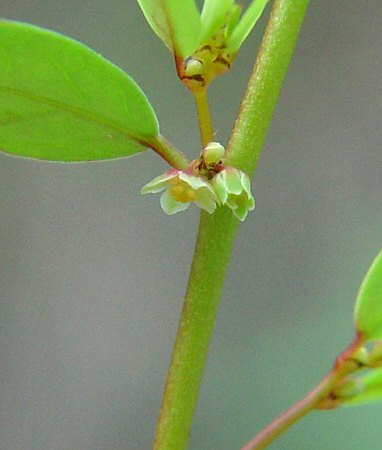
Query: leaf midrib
{"type": "Point", "coordinates": [82, 113]}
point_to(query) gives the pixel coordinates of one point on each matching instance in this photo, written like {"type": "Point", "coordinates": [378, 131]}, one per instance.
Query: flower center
{"type": "Point", "coordinates": [181, 191]}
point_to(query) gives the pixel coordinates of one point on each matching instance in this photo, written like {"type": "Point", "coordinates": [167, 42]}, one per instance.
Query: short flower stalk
{"type": "Point", "coordinates": [207, 183]}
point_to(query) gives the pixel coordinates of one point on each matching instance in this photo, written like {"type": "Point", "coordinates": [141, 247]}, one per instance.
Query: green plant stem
{"type": "Point", "coordinates": [169, 153]}
{"type": "Point", "coordinates": [212, 254]}
{"type": "Point", "coordinates": [217, 231]}
{"type": "Point", "coordinates": [205, 122]}
{"type": "Point", "coordinates": [264, 86]}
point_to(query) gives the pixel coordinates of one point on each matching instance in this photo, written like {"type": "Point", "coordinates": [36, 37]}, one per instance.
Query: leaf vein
{"type": "Point", "coordinates": [83, 114]}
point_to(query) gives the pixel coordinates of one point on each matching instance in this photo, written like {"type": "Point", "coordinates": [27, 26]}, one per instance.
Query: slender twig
{"type": "Point", "coordinates": [205, 122]}
{"type": "Point", "coordinates": [291, 415]}
{"type": "Point", "coordinates": [322, 396]}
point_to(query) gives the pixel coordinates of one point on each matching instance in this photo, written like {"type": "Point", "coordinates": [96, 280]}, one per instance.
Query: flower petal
{"type": "Point", "coordinates": [205, 201]}
{"type": "Point", "coordinates": [171, 206]}
{"type": "Point", "coordinates": [232, 178]}
{"type": "Point", "coordinates": [219, 187]}
{"type": "Point", "coordinates": [232, 202]}
{"type": "Point", "coordinates": [159, 183]}
{"type": "Point", "coordinates": [233, 188]}
{"type": "Point", "coordinates": [246, 183]}
{"type": "Point", "coordinates": [241, 212]}
{"type": "Point", "coordinates": [194, 181]}
{"type": "Point", "coordinates": [251, 203]}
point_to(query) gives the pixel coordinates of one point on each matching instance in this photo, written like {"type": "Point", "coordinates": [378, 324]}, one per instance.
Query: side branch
{"type": "Point", "coordinates": [321, 397]}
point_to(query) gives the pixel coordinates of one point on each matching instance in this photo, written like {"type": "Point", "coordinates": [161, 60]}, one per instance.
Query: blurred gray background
{"type": "Point", "coordinates": [92, 274]}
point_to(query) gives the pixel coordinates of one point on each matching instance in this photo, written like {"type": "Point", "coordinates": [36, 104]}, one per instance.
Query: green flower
{"type": "Point", "coordinates": [204, 43]}
{"type": "Point", "coordinates": [233, 188]}
{"type": "Point", "coordinates": [181, 188]}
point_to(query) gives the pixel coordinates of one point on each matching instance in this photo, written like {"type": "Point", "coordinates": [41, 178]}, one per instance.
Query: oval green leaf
{"type": "Point", "coordinates": [61, 101]}
{"type": "Point", "coordinates": [247, 22]}
{"type": "Point", "coordinates": [214, 14]}
{"type": "Point", "coordinates": [176, 22]}
{"type": "Point", "coordinates": [368, 309]}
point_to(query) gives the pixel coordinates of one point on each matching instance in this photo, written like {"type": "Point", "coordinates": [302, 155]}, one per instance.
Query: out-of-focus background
{"type": "Point", "coordinates": [92, 274]}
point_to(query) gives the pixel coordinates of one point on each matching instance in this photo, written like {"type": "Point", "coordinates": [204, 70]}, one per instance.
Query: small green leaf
{"type": "Point", "coordinates": [369, 387]}
{"type": "Point", "coordinates": [176, 22]}
{"type": "Point", "coordinates": [61, 101]}
{"type": "Point", "coordinates": [214, 14]}
{"type": "Point", "coordinates": [368, 309]}
{"type": "Point", "coordinates": [247, 22]}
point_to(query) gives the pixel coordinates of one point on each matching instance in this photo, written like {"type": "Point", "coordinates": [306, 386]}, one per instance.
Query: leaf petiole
{"type": "Point", "coordinates": [168, 152]}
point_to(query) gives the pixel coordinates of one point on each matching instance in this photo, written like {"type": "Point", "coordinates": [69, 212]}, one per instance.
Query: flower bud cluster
{"type": "Point", "coordinates": [206, 182]}
{"type": "Point", "coordinates": [204, 42]}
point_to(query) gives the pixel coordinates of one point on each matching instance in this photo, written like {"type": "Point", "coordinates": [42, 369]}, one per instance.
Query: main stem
{"type": "Point", "coordinates": [215, 239]}
{"type": "Point", "coordinates": [212, 254]}
{"type": "Point", "coordinates": [217, 231]}
{"type": "Point", "coordinates": [265, 84]}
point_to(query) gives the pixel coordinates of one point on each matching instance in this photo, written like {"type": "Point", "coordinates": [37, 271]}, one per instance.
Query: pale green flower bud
{"type": "Point", "coordinates": [375, 355]}
{"type": "Point", "coordinates": [233, 188]}
{"type": "Point", "coordinates": [181, 188]}
{"type": "Point", "coordinates": [348, 389]}
{"type": "Point", "coordinates": [213, 153]}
